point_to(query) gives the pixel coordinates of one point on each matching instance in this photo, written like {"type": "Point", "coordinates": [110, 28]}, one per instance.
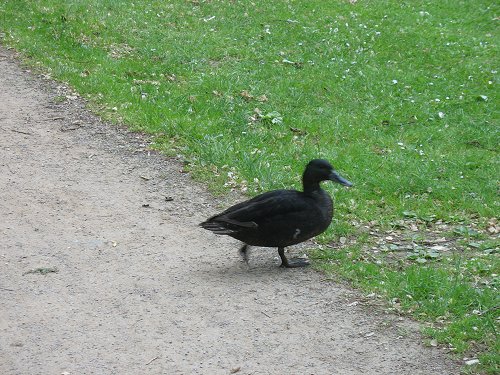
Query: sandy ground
{"type": "Point", "coordinates": [139, 288]}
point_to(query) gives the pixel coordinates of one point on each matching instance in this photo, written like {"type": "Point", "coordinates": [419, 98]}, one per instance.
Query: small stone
{"type": "Point", "coordinates": [472, 362]}
{"type": "Point", "coordinates": [439, 248]}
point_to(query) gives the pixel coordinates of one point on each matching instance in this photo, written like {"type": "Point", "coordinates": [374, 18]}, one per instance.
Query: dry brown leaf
{"type": "Point", "coordinates": [246, 95]}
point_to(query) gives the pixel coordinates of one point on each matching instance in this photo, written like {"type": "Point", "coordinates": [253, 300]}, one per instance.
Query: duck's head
{"type": "Point", "coordinates": [318, 170]}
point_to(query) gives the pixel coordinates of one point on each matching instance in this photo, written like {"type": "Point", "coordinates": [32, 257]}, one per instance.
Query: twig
{"type": "Point", "coordinates": [42, 270]}
{"type": "Point", "coordinates": [265, 314]}
{"type": "Point", "coordinates": [20, 131]}
{"type": "Point", "coordinates": [66, 128]}
{"type": "Point", "coordinates": [497, 307]}
{"type": "Point", "coordinates": [54, 118]}
{"type": "Point", "coordinates": [11, 171]}
{"type": "Point", "coordinates": [154, 359]}
{"type": "Point", "coordinates": [8, 290]}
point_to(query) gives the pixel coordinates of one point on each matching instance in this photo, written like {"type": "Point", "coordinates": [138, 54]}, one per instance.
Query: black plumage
{"type": "Point", "coordinates": [281, 218]}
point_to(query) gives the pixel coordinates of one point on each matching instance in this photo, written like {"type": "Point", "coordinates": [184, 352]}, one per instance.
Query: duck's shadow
{"type": "Point", "coordinates": [260, 266]}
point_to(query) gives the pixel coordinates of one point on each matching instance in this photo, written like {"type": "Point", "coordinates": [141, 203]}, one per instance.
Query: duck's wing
{"type": "Point", "coordinates": [248, 214]}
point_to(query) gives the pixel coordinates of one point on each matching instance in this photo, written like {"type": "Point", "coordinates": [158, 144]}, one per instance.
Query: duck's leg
{"type": "Point", "coordinates": [244, 252]}
{"type": "Point", "coordinates": [290, 264]}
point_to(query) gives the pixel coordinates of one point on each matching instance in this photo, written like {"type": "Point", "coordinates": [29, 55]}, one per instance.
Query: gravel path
{"type": "Point", "coordinates": [138, 287]}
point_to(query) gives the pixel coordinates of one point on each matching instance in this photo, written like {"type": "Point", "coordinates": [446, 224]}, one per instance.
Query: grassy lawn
{"type": "Point", "coordinates": [401, 96]}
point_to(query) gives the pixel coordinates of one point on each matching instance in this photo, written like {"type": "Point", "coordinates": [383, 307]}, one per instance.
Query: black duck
{"type": "Point", "coordinates": [281, 218]}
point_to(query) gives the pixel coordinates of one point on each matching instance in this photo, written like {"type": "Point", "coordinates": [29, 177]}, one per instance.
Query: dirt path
{"type": "Point", "coordinates": [139, 288]}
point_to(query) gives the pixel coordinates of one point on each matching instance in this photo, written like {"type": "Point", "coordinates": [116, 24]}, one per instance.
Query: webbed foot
{"type": "Point", "coordinates": [295, 263]}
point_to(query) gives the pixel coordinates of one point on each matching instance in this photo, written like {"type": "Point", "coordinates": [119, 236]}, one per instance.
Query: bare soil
{"type": "Point", "coordinates": [101, 274]}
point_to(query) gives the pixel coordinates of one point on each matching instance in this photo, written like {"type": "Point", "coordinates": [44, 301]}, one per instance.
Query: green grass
{"type": "Point", "coordinates": [401, 96]}
{"type": "Point", "coordinates": [460, 309]}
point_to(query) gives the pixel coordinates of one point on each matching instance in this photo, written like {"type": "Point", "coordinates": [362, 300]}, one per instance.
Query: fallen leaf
{"type": "Point", "coordinates": [298, 131]}
{"type": "Point", "coordinates": [462, 230]}
{"type": "Point", "coordinates": [411, 214]}
{"type": "Point", "coordinates": [171, 77]}
{"type": "Point", "coordinates": [273, 117]}
{"type": "Point", "coordinates": [493, 229]}
{"type": "Point", "coordinates": [246, 95]}
{"type": "Point", "coordinates": [431, 255]}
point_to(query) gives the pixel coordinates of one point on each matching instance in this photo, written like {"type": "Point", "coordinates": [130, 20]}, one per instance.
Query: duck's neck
{"type": "Point", "coordinates": [310, 186]}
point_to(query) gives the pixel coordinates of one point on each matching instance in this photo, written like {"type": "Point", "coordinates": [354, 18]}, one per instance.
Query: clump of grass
{"type": "Point", "coordinates": [42, 271]}
{"type": "Point", "coordinates": [454, 292]}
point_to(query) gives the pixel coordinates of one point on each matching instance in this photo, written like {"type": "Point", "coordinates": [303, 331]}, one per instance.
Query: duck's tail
{"type": "Point", "coordinates": [225, 225]}
{"type": "Point", "coordinates": [216, 227]}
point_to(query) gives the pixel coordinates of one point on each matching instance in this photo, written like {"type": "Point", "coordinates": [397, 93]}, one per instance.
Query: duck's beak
{"type": "Point", "coordinates": [335, 177]}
